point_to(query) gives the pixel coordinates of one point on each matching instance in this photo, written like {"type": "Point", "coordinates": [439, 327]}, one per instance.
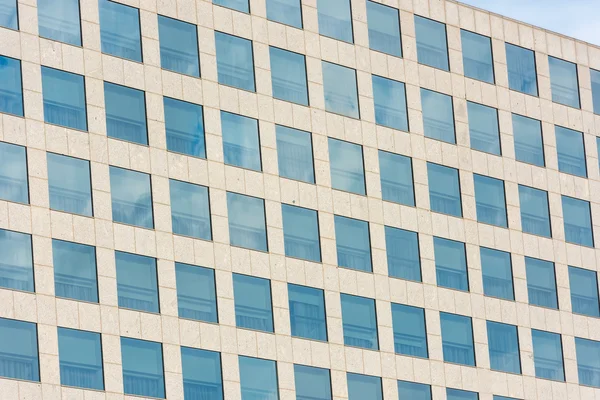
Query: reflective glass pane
{"type": "Point", "coordinates": [547, 355]}
{"type": "Point", "coordinates": [201, 374]}
{"type": "Point", "coordinates": [286, 12]}
{"type": "Point", "coordinates": [595, 75]}
{"type": "Point", "coordinates": [384, 28]}
{"type": "Point", "coordinates": [131, 197]}
{"type": "Point", "coordinates": [571, 151]}
{"type": "Point", "coordinates": [410, 336]}
{"type": "Point", "coordinates": [13, 173]}
{"type": "Point", "coordinates": [11, 91]}
{"type": "Point", "coordinates": [312, 383]}
{"type": "Point", "coordinates": [59, 20]}
{"type": "Point", "coordinates": [396, 178]}
{"type": "Point", "coordinates": [239, 5]}
{"type": "Point", "coordinates": [578, 221]}
{"type": "Point", "coordinates": [178, 46]}
{"type": "Point", "coordinates": [8, 14]}
{"type": "Point", "coordinates": [503, 343]}
{"type": "Point", "coordinates": [307, 312]}
{"type": "Point", "coordinates": [521, 69]}
{"type": "Point", "coordinates": [413, 391]}
{"type": "Point", "coordinates": [241, 145]}
{"type": "Point", "coordinates": [80, 355]}
{"type": "Point", "coordinates": [64, 99]}
{"type": "Point", "coordinates": [288, 74]}
{"type": "Point", "coordinates": [450, 264]}
{"type": "Point", "coordinates": [455, 394]}
{"type": "Point", "coordinates": [541, 283]}
{"type": "Point", "coordinates": [390, 103]}
{"type": "Point", "coordinates": [347, 168]}
{"type": "Point", "coordinates": [477, 56]}
{"type": "Point", "coordinates": [362, 387]}
{"type": "Point", "coordinates": [489, 197]}
{"type": "Point", "coordinates": [339, 86]}
{"type": "Point", "coordinates": [294, 154]}
{"type": "Point", "coordinates": [247, 227]}
{"type": "Point", "coordinates": [563, 79]}
{"type": "Point", "coordinates": [496, 397]}
{"type": "Point", "coordinates": [190, 213]}
{"type": "Point", "coordinates": [69, 184]}
{"type": "Point", "coordinates": [432, 48]}
{"type": "Point", "coordinates": [120, 30]}
{"type": "Point", "coordinates": [185, 127]}
{"type": "Point", "coordinates": [16, 261]}
{"type": "Point", "coordinates": [438, 116]}
{"type": "Point", "coordinates": [75, 271]}
{"type": "Point", "coordinates": [353, 243]}
{"type": "Point", "coordinates": [360, 322]}
{"type": "Point", "coordinates": [335, 19]}
{"type": "Point", "coordinates": [457, 339]}
{"type": "Point", "coordinates": [258, 379]}
{"type": "Point", "coordinates": [584, 291]}
{"type": "Point", "coordinates": [196, 296]}
{"type": "Point", "coordinates": [444, 190]}
{"type": "Point", "coordinates": [235, 62]}
{"type": "Point", "coordinates": [535, 215]}
{"type": "Point", "coordinates": [136, 282]}
{"type": "Point", "coordinates": [142, 368]}
{"type": "Point", "coordinates": [527, 133]}
{"type": "Point", "coordinates": [483, 128]}
{"type": "Point", "coordinates": [125, 113]}
{"type": "Point", "coordinates": [402, 249]}
{"type": "Point", "coordinates": [497, 273]}
{"type": "Point", "coordinates": [301, 233]}
{"type": "Point", "coordinates": [19, 350]}
{"type": "Point", "coordinates": [588, 361]}
{"type": "Point", "coordinates": [252, 297]}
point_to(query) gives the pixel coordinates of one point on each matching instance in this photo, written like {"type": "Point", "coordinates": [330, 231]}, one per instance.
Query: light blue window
{"type": "Point", "coordinates": [503, 343]}
{"type": "Point", "coordinates": [136, 282]}
{"type": "Point", "coordinates": [477, 56]}
{"type": "Point", "coordinates": [80, 355]}
{"type": "Point", "coordinates": [450, 264]}
{"type": "Point", "coordinates": [438, 116]}
{"type": "Point", "coordinates": [489, 198]}
{"type": "Point", "coordinates": [235, 62]}
{"type": "Point", "coordinates": [483, 128]}
{"type": "Point", "coordinates": [390, 103]}
{"type": "Point", "coordinates": [184, 124]}
{"type": "Point", "coordinates": [571, 151]}
{"type": "Point", "coordinates": [8, 14]}
{"type": "Point", "coordinates": [578, 221]}
{"type": "Point", "coordinates": [410, 336]}
{"type": "Point", "coordinates": [521, 70]}
{"type": "Point", "coordinates": [529, 147]}
{"type": "Point", "coordinates": [178, 46]}
{"type": "Point", "coordinates": [13, 173]}
{"type": "Point", "coordinates": [432, 46]}
{"type": "Point", "coordinates": [497, 273]}
{"type": "Point", "coordinates": [125, 113]}
{"type": "Point", "coordinates": [547, 355]}
{"type": "Point", "coordinates": [457, 339]}
{"type": "Point", "coordinates": [444, 190]}
{"type": "Point", "coordinates": [413, 391]}
{"type": "Point", "coordinates": [16, 261]}
{"type": "Point", "coordinates": [59, 20]}
{"type": "Point", "coordinates": [190, 213]}
{"type": "Point", "coordinates": [339, 86]}
{"type": "Point", "coordinates": [361, 387]}
{"type": "Point", "coordinates": [120, 30]}
{"type": "Point", "coordinates": [541, 283]}
{"type": "Point", "coordinates": [239, 5]}
{"type": "Point", "coordinates": [19, 350]}
{"type": "Point", "coordinates": [312, 383]}
{"type": "Point", "coordinates": [535, 215]}
{"type": "Point", "coordinates": [347, 168]}
{"type": "Point", "coordinates": [455, 394]}
{"type": "Point", "coordinates": [241, 145]}
{"type": "Point", "coordinates": [143, 373]}
{"type": "Point", "coordinates": [288, 74]}
{"type": "Point", "coordinates": [131, 197]}
{"type": "Point", "coordinates": [496, 397]}
{"type": "Point", "coordinates": [247, 226]}
{"type": "Point", "coordinates": [64, 99]}
{"type": "Point", "coordinates": [75, 271]}
{"type": "Point", "coordinates": [307, 312]}
{"type": "Point", "coordinates": [359, 321]}
{"type": "Point", "coordinates": [588, 361]}
{"type": "Point", "coordinates": [196, 295]}
{"type": "Point", "coordinates": [353, 243]}
{"type": "Point", "coordinates": [11, 91]}
{"type": "Point", "coordinates": [396, 178]}
{"type": "Point", "coordinates": [294, 154]}
{"type": "Point", "coordinates": [301, 233]}
{"type": "Point", "coordinates": [595, 75]}
{"type": "Point", "coordinates": [384, 29]}
{"type": "Point", "coordinates": [258, 378]}
{"type": "Point", "coordinates": [287, 12]}
{"type": "Point", "coordinates": [335, 19]}
{"type": "Point", "coordinates": [402, 249]}
{"type": "Point", "coordinates": [584, 291]}
{"type": "Point", "coordinates": [564, 82]}
{"type": "Point", "coordinates": [201, 374]}
{"type": "Point", "coordinates": [69, 184]}
{"type": "Point", "coordinates": [252, 297]}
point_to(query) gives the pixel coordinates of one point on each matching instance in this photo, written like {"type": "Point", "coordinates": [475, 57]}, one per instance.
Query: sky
{"type": "Point", "coordinates": [576, 18]}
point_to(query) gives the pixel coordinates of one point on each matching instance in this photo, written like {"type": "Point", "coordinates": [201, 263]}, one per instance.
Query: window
{"type": "Point", "coordinates": [450, 264]}
{"type": "Point", "coordinates": [75, 271]}
{"type": "Point", "coordinates": [19, 350]}
{"type": "Point", "coordinates": [294, 154]}
{"type": "Point", "coordinates": [258, 378]}
{"type": "Point", "coordinates": [136, 282]}
{"type": "Point", "coordinates": [362, 387]}
{"type": "Point", "coordinates": [564, 82]}
{"type": "Point", "coordinates": [11, 91]}
{"type": "Point", "coordinates": [527, 133]}
{"type": "Point", "coordinates": [142, 368]}
{"type": "Point", "coordinates": [196, 295]}
{"type": "Point", "coordinates": [541, 283]}
{"type": "Point", "coordinates": [413, 391]}
{"type": "Point", "coordinates": [131, 197]}
{"type": "Point", "coordinates": [547, 355]}
{"type": "Point", "coordinates": [59, 20]}
{"type": "Point", "coordinates": [252, 297]}
{"type": "Point", "coordinates": [301, 233]}
{"type": "Point", "coordinates": [489, 198]}
{"type": "Point", "coordinates": [571, 151]}
{"type": "Point", "coordinates": [339, 86]}
{"type": "Point", "coordinates": [359, 320]}
{"type": "Point", "coordinates": [288, 73]}
{"type": "Point", "coordinates": [69, 184]}
{"type": "Point", "coordinates": [497, 273]}
{"type": "Point", "coordinates": [80, 355]}
{"type": "Point", "coordinates": [13, 173]}
{"type": "Point", "coordinates": [438, 116]}
{"type": "Point", "coordinates": [64, 99]}
{"type": "Point", "coordinates": [503, 343]}
{"type": "Point", "coordinates": [535, 215]}
{"type": "Point", "coordinates": [522, 75]}
{"type": "Point", "coordinates": [384, 29]}
{"type": "Point", "coordinates": [483, 128]}
{"type": "Point", "coordinates": [410, 336]}
{"type": "Point", "coordinates": [247, 227]}
{"type": "Point", "coordinates": [178, 46]}
{"type": "Point", "coordinates": [588, 361]}
{"type": "Point", "coordinates": [390, 102]}
{"type": "Point", "coordinates": [201, 374]}
{"type": "Point", "coordinates": [286, 12]}
{"type": "Point", "coordinates": [335, 19]}
{"type": "Point", "coordinates": [307, 312]}
{"type": "Point", "coordinates": [120, 30]}
{"type": "Point", "coordinates": [584, 291]}
{"type": "Point", "coordinates": [125, 113]}
{"type": "Point", "coordinates": [241, 144]}
{"type": "Point", "coordinates": [353, 243]}
{"type": "Point", "coordinates": [16, 259]}
{"type": "Point", "coordinates": [8, 15]}
{"type": "Point", "coordinates": [184, 124]}
{"type": "Point", "coordinates": [396, 178]}
{"type": "Point", "coordinates": [444, 190]}
{"type": "Point", "coordinates": [457, 339]}
{"type": "Point", "coordinates": [239, 5]}
{"type": "Point", "coordinates": [312, 383]}
{"type": "Point", "coordinates": [347, 168]}
{"type": "Point", "coordinates": [595, 76]}
{"type": "Point", "coordinates": [235, 62]}
{"type": "Point", "coordinates": [477, 56]}
{"type": "Point", "coordinates": [432, 47]}
{"type": "Point", "coordinates": [190, 213]}
{"type": "Point", "coordinates": [455, 394]}
{"type": "Point", "coordinates": [496, 397]}
{"type": "Point", "coordinates": [578, 221]}
{"type": "Point", "coordinates": [402, 249]}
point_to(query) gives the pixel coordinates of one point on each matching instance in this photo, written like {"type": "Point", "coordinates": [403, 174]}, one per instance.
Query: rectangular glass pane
{"type": "Point", "coordinates": [143, 373]}
{"type": "Point", "coordinates": [235, 62]}
{"type": "Point", "coordinates": [294, 154]}
{"type": "Point", "coordinates": [347, 168]}
{"type": "Point", "coordinates": [286, 12]}
{"type": "Point", "coordinates": [496, 269]}
{"type": "Point", "coordinates": [477, 56]}
{"type": "Point", "coordinates": [11, 91]}
{"type": "Point", "coordinates": [496, 397]}
{"type": "Point", "coordinates": [120, 30]}
{"type": "Point", "coordinates": [241, 144]}
{"type": "Point", "coordinates": [59, 20]}
{"type": "Point", "coordinates": [571, 151]}
{"type": "Point", "coordinates": [438, 116]}
{"type": "Point", "coordinates": [503, 343]}
{"type": "Point", "coordinates": [432, 47]}
{"type": "Point", "coordinates": [584, 291]}
{"type": "Point", "coordinates": [547, 355]}
{"type": "Point", "coordinates": [19, 350]}
{"type": "Point", "coordinates": [535, 215]}
{"type": "Point", "coordinates": [301, 233]}
{"type": "Point", "coordinates": [384, 29]}
{"type": "Point", "coordinates": [450, 264]}
{"type": "Point", "coordinates": [131, 197]}
{"type": "Point", "coordinates": [16, 261]}
{"type": "Point", "coordinates": [529, 147]}
{"type": "Point", "coordinates": [339, 86]}
{"type": "Point", "coordinates": [396, 178]}
{"type": "Point", "coordinates": [360, 323]}
{"type": "Point", "coordinates": [595, 75]}
{"type": "Point", "coordinates": [578, 221]}
{"type": "Point", "coordinates": [353, 243]}
{"type": "Point", "coordinates": [335, 19]}
{"type": "Point", "coordinates": [69, 184]}
{"type": "Point", "coordinates": [125, 113]}
{"type": "Point", "coordinates": [190, 213]}
{"type": "Point", "coordinates": [390, 103]}
{"type": "Point", "coordinates": [489, 197]}
{"type": "Point", "coordinates": [178, 46]}
{"type": "Point", "coordinates": [541, 283]}
{"type": "Point", "coordinates": [196, 296]}
{"type": "Point", "coordinates": [80, 355]}
{"type": "Point", "coordinates": [410, 336]}
{"type": "Point", "coordinates": [444, 190]}
{"type": "Point", "coordinates": [588, 361]}
{"type": "Point", "coordinates": [312, 383]}
{"type": "Point", "coordinates": [239, 5]}
{"type": "Point", "coordinates": [483, 128]}
{"type": "Point", "coordinates": [521, 70]}
{"type": "Point", "coordinates": [455, 394]}
{"type": "Point", "coordinates": [13, 173]}
{"type": "Point", "coordinates": [361, 387]}
{"type": "Point", "coordinates": [184, 124]}
{"type": "Point", "coordinates": [258, 379]}
{"type": "Point", "coordinates": [64, 99]}
{"type": "Point", "coordinates": [252, 297]}
{"type": "Point", "coordinates": [136, 282]}
{"type": "Point", "coordinates": [457, 339]}
{"type": "Point", "coordinates": [402, 249]}
{"type": "Point", "coordinates": [75, 271]}
{"type": "Point", "coordinates": [307, 312]}
{"type": "Point", "coordinates": [247, 226]}
{"type": "Point", "coordinates": [413, 391]}
{"type": "Point", "coordinates": [288, 75]}
{"type": "Point", "coordinates": [564, 82]}
{"type": "Point", "coordinates": [8, 14]}
{"type": "Point", "coordinates": [201, 374]}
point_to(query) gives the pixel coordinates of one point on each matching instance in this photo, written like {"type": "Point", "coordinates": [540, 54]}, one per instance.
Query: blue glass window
{"type": "Point", "coordinates": [288, 75]}
{"type": "Point", "coordinates": [235, 62]}
{"type": "Point", "coordinates": [362, 387]}
{"type": "Point", "coordinates": [384, 29]}
{"type": "Point", "coordinates": [571, 151]}
{"type": "Point", "coordinates": [64, 99]}
{"type": "Point", "coordinates": [584, 291]}
{"type": "Point", "coordinates": [241, 145]}
{"type": "Point", "coordinates": [312, 383]}
{"type": "Point", "coordinates": [80, 355]}
{"type": "Point", "coordinates": [201, 374]}
{"type": "Point", "coordinates": [547, 355]}
{"type": "Point", "coordinates": [353, 243]}
{"type": "Point", "coordinates": [444, 190]}
{"type": "Point", "coordinates": [390, 103]}
{"type": "Point", "coordinates": [457, 339]}
{"type": "Point", "coordinates": [503, 343]}
{"type": "Point", "coordinates": [483, 128]}
{"type": "Point", "coordinates": [307, 312]}
{"type": "Point", "coordinates": [136, 282]}
{"type": "Point", "coordinates": [143, 373]}
{"type": "Point", "coordinates": [8, 14]}
{"type": "Point", "coordinates": [535, 215]}
{"type": "Point", "coordinates": [541, 283]}
{"type": "Point", "coordinates": [184, 124]}
{"type": "Point", "coordinates": [477, 56]}
{"type": "Point", "coordinates": [588, 361]}
{"type": "Point", "coordinates": [578, 221]}
{"type": "Point", "coordinates": [450, 264]}
{"type": "Point", "coordinates": [301, 233]}
{"type": "Point", "coordinates": [125, 113]}
{"type": "Point", "coordinates": [595, 75]}
{"type": "Point", "coordinates": [286, 12]}
{"type": "Point", "coordinates": [347, 168]}
{"type": "Point", "coordinates": [258, 378]}
{"type": "Point", "coordinates": [120, 30]}
{"type": "Point", "coordinates": [178, 46]}
{"type": "Point", "coordinates": [19, 350]}
{"type": "Point", "coordinates": [396, 178]}
{"type": "Point", "coordinates": [190, 212]}
{"type": "Point", "coordinates": [402, 249]}
{"type": "Point", "coordinates": [196, 295]}
{"type": "Point", "coordinates": [252, 297]}
{"type": "Point", "coordinates": [410, 336]}
{"type": "Point", "coordinates": [339, 86]}
{"type": "Point", "coordinates": [59, 20]}
{"type": "Point", "coordinates": [438, 116]}
{"type": "Point", "coordinates": [455, 394]}
{"type": "Point", "coordinates": [413, 391]}
{"type": "Point", "coordinates": [239, 5]}
{"type": "Point", "coordinates": [497, 273]}
{"type": "Point", "coordinates": [522, 75]}
{"type": "Point", "coordinates": [75, 271]}
{"type": "Point", "coordinates": [247, 227]}
{"type": "Point", "coordinates": [496, 397]}
{"type": "Point", "coordinates": [294, 154]}
{"type": "Point", "coordinates": [489, 198]}
{"type": "Point", "coordinates": [11, 91]}
{"type": "Point", "coordinates": [335, 19]}
{"type": "Point", "coordinates": [69, 184]}
{"type": "Point", "coordinates": [529, 147]}
{"type": "Point", "coordinates": [360, 322]}
{"type": "Point", "coordinates": [432, 46]}
{"type": "Point", "coordinates": [131, 197]}
{"type": "Point", "coordinates": [564, 82]}
{"type": "Point", "coordinates": [13, 173]}
{"type": "Point", "coordinates": [16, 261]}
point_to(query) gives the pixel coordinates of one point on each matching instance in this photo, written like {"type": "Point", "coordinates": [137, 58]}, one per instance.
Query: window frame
{"type": "Point", "coordinates": [512, 275]}
{"type": "Point", "coordinates": [153, 227]}
{"type": "Point", "coordinates": [147, 144]}
{"type": "Point", "coordinates": [209, 214]}
{"type": "Point", "coordinates": [312, 164]}
{"type": "Point", "coordinates": [162, 359]}
{"type": "Point", "coordinates": [22, 115]}
{"type": "Point", "coordinates": [472, 336]}
{"type": "Point", "coordinates": [237, 135]}
{"type": "Point", "coordinates": [89, 164]}
{"type": "Point", "coordinates": [264, 208]}
{"type": "Point", "coordinates": [158, 307]}
{"type": "Point", "coordinates": [251, 53]}
{"type": "Point", "coordinates": [340, 146]}
{"type": "Point", "coordinates": [411, 308]}
{"type": "Point", "coordinates": [35, 329]}
{"type": "Point", "coordinates": [591, 220]}
{"type": "Point", "coordinates": [352, 39]}
{"type": "Point", "coordinates": [597, 291]}
{"type": "Point", "coordinates": [518, 343]}
{"type": "Point", "coordinates": [318, 238]}
{"type": "Point", "coordinates": [493, 82]}
{"type": "Point", "coordinates": [141, 61]}
{"type": "Point", "coordinates": [369, 245]}
{"type": "Point", "coordinates": [446, 43]}
{"type": "Point", "coordinates": [489, 178]}
{"type": "Point", "coordinates": [558, 305]}
{"type": "Point", "coordinates": [305, 76]}
{"type": "Point", "coordinates": [471, 127]}
{"type": "Point", "coordinates": [214, 283]}
{"type": "Point", "coordinates": [519, 186]}
{"type": "Point", "coordinates": [373, 78]}
{"type": "Point", "coordinates": [585, 161]}
{"type": "Point", "coordinates": [32, 263]}
{"type": "Point", "coordinates": [358, 116]}
{"type": "Point", "coordinates": [85, 105]}
{"type": "Point", "coordinates": [459, 189]}
{"type": "Point", "coordinates": [439, 139]}
{"type": "Point", "coordinates": [537, 84]}
{"type": "Point", "coordinates": [26, 172]}
{"type": "Point", "coordinates": [172, 99]}
{"type": "Point", "coordinates": [513, 115]}
{"type": "Point", "coordinates": [272, 314]}
{"type": "Point", "coordinates": [159, 16]}
{"type": "Point", "coordinates": [322, 292]}
{"type": "Point", "coordinates": [99, 336]}
{"type": "Point", "coordinates": [577, 80]}
{"type": "Point", "coordinates": [399, 28]}
{"type": "Point", "coordinates": [80, 45]}
{"type": "Point", "coordinates": [95, 272]}
{"type": "Point", "coordinates": [283, 23]}
{"type": "Point", "coordinates": [376, 325]}
{"type": "Point", "coordinates": [412, 176]}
